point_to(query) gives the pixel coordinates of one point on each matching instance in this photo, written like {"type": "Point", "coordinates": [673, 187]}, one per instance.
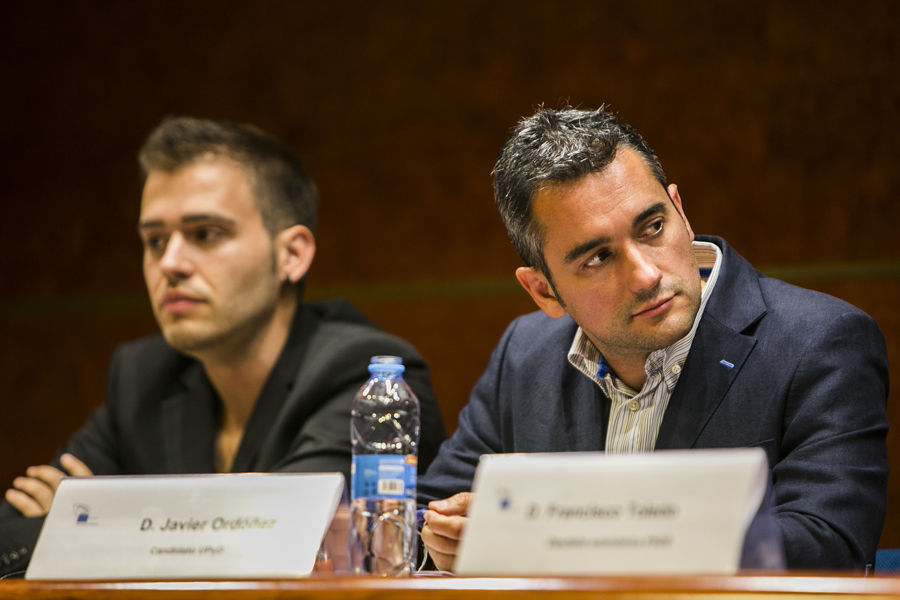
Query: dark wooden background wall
{"type": "Point", "coordinates": [778, 120]}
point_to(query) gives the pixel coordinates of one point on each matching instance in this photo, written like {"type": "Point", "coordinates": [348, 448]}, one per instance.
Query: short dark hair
{"type": "Point", "coordinates": [284, 194]}
{"type": "Point", "coordinates": [556, 146]}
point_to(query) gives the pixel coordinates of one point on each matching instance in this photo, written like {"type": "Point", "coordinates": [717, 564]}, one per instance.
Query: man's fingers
{"type": "Point", "coordinates": [445, 523]}
{"type": "Point", "coordinates": [457, 504]}
{"type": "Point", "coordinates": [437, 542]}
{"type": "Point", "coordinates": [441, 535]}
{"type": "Point", "coordinates": [74, 466]}
{"type": "Point", "coordinates": [24, 502]}
{"type": "Point", "coordinates": [443, 562]}
{"type": "Point", "coordinates": [449, 527]}
{"type": "Point", "coordinates": [33, 494]}
{"type": "Point", "coordinates": [38, 489]}
{"type": "Point", "coordinates": [46, 474]}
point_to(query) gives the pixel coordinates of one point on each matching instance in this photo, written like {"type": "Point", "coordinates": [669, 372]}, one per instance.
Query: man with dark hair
{"type": "Point", "coordinates": [651, 338]}
{"type": "Point", "coordinates": [244, 376]}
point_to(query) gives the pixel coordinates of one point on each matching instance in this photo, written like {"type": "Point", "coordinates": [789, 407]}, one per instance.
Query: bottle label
{"type": "Point", "coordinates": [383, 476]}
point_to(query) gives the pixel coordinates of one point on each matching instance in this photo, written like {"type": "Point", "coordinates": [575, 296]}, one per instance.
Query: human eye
{"type": "Point", "coordinates": [653, 228]}
{"type": "Point", "coordinates": [597, 259]}
{"type": "Point", "coordinates": [206, 235]}
{"type": "Point", "coordinates": [154, 242]}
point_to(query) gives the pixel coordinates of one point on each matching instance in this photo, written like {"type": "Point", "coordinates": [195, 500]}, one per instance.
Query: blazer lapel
{"type": "Point", "coordinates": [723, 341]}
{"type": "Point", "coordinates": [716, 357]}
{"type": "Point", "coordinates": [189, 417]}
{"type": "Point", "coordinates": [268, 433]}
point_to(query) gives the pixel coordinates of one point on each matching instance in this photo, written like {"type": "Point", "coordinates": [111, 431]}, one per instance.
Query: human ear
{"type": "Point", "coordinates": [295, 249]}
{"type": "Point", "coordinates": [538, 287]}
{"type": "Point", "coordinates": [676, 202]}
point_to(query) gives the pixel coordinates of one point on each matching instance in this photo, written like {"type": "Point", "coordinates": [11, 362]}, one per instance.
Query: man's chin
{"type": "Point", "coordinates": [666, 333]}
{"type": "Point", "coordinates": [187, 340]}
{"type": "Point", "coordinates": [672, 334]}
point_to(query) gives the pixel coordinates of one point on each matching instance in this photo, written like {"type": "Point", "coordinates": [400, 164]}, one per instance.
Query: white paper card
{"type": "Point", "coordinates": [596, 513]}
{"type": "Point", "coordinates": [246, 525]}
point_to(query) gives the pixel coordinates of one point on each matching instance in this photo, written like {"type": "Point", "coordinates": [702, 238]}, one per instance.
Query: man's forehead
{"type": "Point", "coordinates": [212, 189]}
{"type": "Point", "coordinates": [208, 172]}
{"type": "Point", "coordinates": [597, 195]}
{"type": "Point", "coordinates": [598, 207]}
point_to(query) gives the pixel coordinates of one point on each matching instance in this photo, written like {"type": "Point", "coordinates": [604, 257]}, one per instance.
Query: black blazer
{"type": "Point", "coordinates": [805, 377]}
{"type": "Point", "coordinates": [161, 411]}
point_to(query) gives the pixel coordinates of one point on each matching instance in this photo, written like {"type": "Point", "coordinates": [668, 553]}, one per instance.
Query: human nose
{"type": "Point", "coordinates": [175, 261]}
{"type": "Point", "coordinates": [643, 274]}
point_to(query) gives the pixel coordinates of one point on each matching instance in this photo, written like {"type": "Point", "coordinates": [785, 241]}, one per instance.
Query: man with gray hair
{"type": "Point", "coordinates": [245, 375]}
{"type": "Point", "coordinates": [650, 337]}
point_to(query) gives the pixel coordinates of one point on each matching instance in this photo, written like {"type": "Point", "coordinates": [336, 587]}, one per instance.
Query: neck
{"type": "Point", "coordinates": [238, 373]}
{"type": "Point", "coordinates": [631, 371]}
{"type": "Point", "coordinates": [627, 365]}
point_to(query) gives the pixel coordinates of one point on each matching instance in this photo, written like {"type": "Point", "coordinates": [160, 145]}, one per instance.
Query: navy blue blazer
{"type": "Point", "coordinates": [806, 380]}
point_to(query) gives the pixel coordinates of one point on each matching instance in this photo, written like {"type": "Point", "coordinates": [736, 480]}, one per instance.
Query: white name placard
{"type": "Point", "coordinates": [596, 513]}
{"type": "Point", "coordinates": [246, 525]}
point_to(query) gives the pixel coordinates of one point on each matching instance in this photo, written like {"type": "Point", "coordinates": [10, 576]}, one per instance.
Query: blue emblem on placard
{"type": "Point", "coordinates": [505, 501]}
{"type": "Point", "coordinates": [82, 513]}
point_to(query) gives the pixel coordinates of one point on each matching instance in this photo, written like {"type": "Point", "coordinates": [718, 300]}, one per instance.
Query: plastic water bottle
{"type": "Point", "coordinates": [384, 431]}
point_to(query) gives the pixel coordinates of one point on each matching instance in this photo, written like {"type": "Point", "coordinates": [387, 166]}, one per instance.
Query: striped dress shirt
{"type": "Point", "coordinates": [635, 416]}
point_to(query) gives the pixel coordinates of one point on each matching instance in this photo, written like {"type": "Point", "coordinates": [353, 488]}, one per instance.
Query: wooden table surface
{"type": "Point", "coordinates": [742, 587]}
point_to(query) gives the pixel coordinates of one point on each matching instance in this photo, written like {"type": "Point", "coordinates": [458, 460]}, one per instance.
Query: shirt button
{"type": "Point", "coordinates": [676, 369]}
{"type": "Point", "coordinates": [634, 405]}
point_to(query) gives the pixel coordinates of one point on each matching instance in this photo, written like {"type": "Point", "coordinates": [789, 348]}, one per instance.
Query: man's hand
{"type": "Point", "coordinates": [445, 521]}
{"type": "Point", "coordinates": [33, 493]}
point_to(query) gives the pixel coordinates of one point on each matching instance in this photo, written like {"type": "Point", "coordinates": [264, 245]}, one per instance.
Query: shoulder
{"type": "Point", "coordinates": [341, 326]}
{"type": "Point", "coordinates": [538, 327]}
{"type": "Point", "coordinates": [798, 303]}
{"type": "Point", "coordinates": [743, 296]}
{"type": "Point", "coordinates": [808, 320]}
{"type": "Point", "coordinates": [536, 338]}
{"type": "Point", "coordinates": [337, 345]}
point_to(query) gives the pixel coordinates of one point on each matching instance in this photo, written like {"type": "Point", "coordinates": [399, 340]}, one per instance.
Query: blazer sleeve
{"type": "Point", "coordinates": [18, 536]}
{"type": "Point", "coordinates": [94, 443]}
{"type": "Point", "coordinates": [478, 431]}
{"type": "Point", "coordinates": [831, 480]}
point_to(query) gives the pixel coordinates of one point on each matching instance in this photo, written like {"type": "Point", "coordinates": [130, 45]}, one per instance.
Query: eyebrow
{"type": "Point", "coordinates": [189, 219]}
{"type": "Point", "coordinates": [585, 247]}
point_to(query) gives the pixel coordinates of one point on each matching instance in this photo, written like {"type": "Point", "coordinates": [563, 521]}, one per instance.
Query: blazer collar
{"type": "Point", "coordinates": [737, 301]}
{"type": "Point", "coordinates": [723, 341]}
{"type": "Point", "coordinates": [192, 412]}
{"type": "Point", "coordinates": [190, 418]}
{"type": "Point", "coordinates": [257, 439]}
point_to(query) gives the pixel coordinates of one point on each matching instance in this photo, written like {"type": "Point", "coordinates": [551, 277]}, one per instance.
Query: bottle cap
{"type": "Point", "coordinates": [386, 365]}
{"type": "Point", "coordinates": [386, 360]}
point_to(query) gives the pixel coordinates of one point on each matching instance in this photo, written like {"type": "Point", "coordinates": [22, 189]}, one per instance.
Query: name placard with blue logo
{"type": "Point", "coordinates": [246, 525]}
{"type": "Point", "coordinates": [594, 513]}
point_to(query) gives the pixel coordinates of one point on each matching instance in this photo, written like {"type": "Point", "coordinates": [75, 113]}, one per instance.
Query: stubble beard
{"type": "Point", "coordinates": [189, 335]}
{"type": "Point", "coordinates": [214, 330]}
{"type": "Point", "coordinates": [626, 341]}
